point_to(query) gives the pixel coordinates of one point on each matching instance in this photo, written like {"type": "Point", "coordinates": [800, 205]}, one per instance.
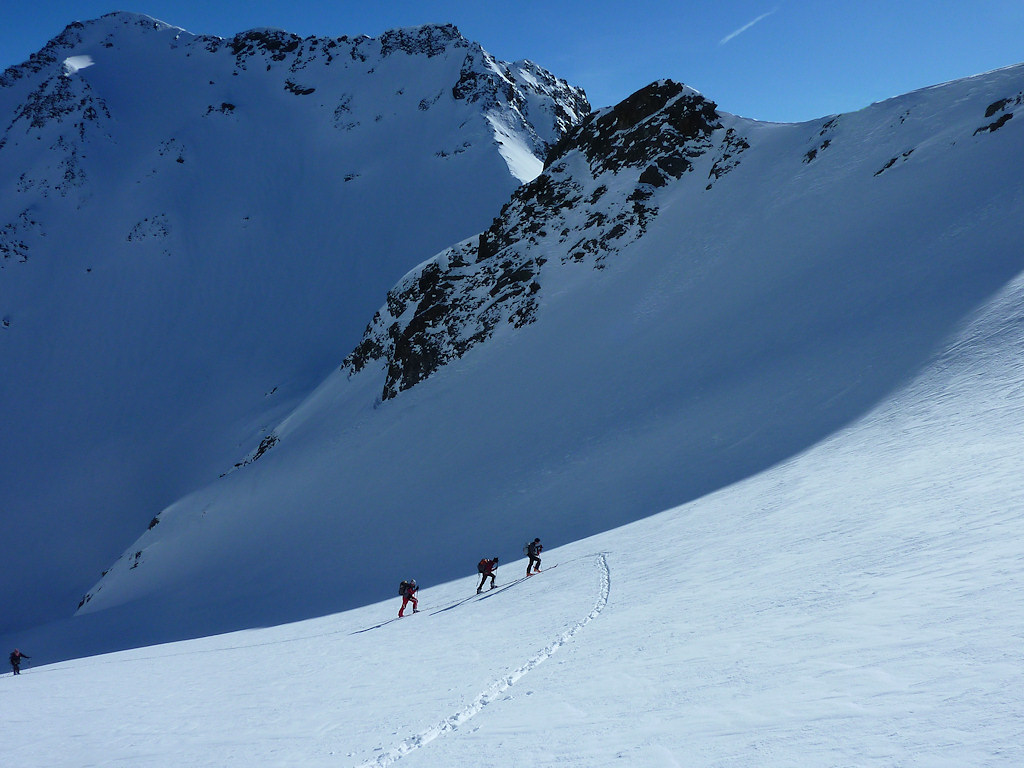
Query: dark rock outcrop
{"type": "Point", "coordinates": [466, 294]}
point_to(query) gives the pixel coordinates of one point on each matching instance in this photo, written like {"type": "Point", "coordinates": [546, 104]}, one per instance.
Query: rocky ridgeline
{"type": "Point", "coordinates": [43, 101]}
{"type": "Point", "coordinates": [597, 194]}
{"type": "Point", "coordinates": [594, 198]}
{"type": "Point", "coordinates": [482, 78]}
{"type": "Point", "coordinates": [660, 126]}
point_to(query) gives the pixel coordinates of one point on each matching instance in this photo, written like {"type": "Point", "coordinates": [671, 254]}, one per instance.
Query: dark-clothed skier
{"type": "Point", "coordinates": [533, 550]}
{"type": "Point", "coordinates": [408, 589]}
{"type": "Point", "coordinates": [16, 657]}
{"type": "Point", "coordinates": [486, 568]}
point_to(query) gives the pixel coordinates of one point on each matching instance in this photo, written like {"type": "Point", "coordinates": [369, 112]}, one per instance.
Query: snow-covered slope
{"type": "Point", "coordinates": [192, 232]}
{"type": "Point", "coordinates": [682, 300]}
{"type": "Point", "coordinates": [857, 604]}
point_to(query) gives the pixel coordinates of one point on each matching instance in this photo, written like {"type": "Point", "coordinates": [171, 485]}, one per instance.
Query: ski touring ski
{"type": "Point", "coordinates": [375, 626]}
{"type": "Point", "coordinates": [534, 573]}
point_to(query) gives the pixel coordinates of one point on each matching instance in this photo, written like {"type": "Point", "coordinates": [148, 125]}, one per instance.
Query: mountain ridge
{"type": "Point", "coordinates": [190, 228]}
{"type": "Point", "coordinates": [662, 129]}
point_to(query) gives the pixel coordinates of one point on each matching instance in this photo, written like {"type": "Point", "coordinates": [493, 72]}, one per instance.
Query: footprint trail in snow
{"type": "Point", "coordinates": [499, 686]}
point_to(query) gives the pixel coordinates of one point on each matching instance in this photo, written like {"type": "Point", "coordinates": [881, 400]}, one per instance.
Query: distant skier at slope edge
{"type": "Point", "coordinates": [16, 657]}
{"type": "Point", "coordinates": [486, 568]}
{"type": "Point", "coordinates": [533, 550]}
{"type": "Point", "coordinates": [408, 589]}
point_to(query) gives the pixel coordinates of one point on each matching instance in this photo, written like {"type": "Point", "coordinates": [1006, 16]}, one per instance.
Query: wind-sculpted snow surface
{"type": "Point", "coordinates": [194, 229]}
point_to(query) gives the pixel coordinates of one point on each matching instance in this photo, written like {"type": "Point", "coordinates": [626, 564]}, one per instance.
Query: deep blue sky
{"type": "Point", "coordinates": [771, 60]}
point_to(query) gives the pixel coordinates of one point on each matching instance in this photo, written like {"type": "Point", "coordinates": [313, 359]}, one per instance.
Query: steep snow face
{"type": "Point", "coordinates": [191, 228]}
{"type": "Point", "coordinates": [681, 300]}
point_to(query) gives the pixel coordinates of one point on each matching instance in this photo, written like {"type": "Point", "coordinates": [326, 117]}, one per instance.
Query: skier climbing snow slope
{"type": "Point", "coordinates": [857, 604]}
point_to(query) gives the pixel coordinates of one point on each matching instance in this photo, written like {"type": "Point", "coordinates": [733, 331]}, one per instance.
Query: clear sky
{"type": "Point", "coordinates": [783, 60]}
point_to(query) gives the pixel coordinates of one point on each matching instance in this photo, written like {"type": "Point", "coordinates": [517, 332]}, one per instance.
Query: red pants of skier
{"type": "Point", "coordinates": [406, 599]}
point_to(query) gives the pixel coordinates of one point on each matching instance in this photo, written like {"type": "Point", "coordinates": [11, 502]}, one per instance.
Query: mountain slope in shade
{"type": "Point", "coordinates": [683, 299]}
{"type": "Point", "coordinates": [191, 228]}
{"type": "Point", "coordinates": [854, 605]}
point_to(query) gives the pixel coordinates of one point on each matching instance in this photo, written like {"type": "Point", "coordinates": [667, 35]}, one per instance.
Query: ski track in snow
{"type": "Point", "coordinates": [499, 686]}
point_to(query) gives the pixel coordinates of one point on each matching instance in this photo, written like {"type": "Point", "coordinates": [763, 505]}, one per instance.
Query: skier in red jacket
{"type": "Point", "coordinates": [486, 568]}
{"type": "Point", "coordinates": [408, 589]}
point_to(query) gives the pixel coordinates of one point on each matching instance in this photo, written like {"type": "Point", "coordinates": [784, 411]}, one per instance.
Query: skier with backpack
{"type": "Point", "coordinates": [533, 550]}
{"type": "Point", "coordinates": [408, 589]}
{"type": "Point", "coordinates": [486, 568]}
{"type": "Point", "coordinates": [16, 657]}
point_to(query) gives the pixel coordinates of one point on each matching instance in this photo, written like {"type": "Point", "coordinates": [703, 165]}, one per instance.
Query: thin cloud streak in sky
{"type": "Point", "coordinates": [746, 26]}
